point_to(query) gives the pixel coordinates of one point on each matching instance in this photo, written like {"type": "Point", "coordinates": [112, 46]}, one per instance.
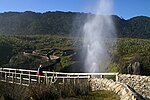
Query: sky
{"type": "Point", "coordinates": [123, 8]}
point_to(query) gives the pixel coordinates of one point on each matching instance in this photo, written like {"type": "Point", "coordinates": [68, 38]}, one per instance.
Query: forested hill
{"type": "Point", "coordinates": [66, 22]}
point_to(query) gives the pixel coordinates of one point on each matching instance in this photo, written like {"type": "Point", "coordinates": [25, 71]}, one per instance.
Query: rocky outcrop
{"type": "Point", "coordinates": [141, 84]}
{"type": "Point", "coordinates": [134, 68]}
{"type": "Point", "coordinates": [121, 89]}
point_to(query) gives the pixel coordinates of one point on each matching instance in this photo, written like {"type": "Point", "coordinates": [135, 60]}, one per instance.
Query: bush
{"type": "Point", "coordinates": [67, 91]}
{"type": "Point", "coordinates": [44, 92]}
{"type": "Point", "coordinates": [57, 91]}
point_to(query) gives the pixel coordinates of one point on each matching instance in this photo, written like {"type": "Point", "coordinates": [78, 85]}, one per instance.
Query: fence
{"type": "Point", "coordinates": [27, 77]}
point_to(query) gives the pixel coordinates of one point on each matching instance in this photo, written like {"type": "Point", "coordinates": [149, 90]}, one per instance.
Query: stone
{"type": "Point", "coordinates": [118, 87]}
{"type": "Point", "coordinates": [141, 84]}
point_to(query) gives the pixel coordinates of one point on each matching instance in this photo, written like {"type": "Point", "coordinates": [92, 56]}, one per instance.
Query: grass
{"type": "Point", "coordinates": [68, 91]}
{"type": "Point", "coordinates": [96, 95]}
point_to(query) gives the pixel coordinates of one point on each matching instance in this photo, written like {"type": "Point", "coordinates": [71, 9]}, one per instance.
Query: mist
{"type": "Point", "coordinates": [99, 38]}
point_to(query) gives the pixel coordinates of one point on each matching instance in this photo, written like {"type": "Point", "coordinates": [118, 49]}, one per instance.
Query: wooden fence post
{"type": "Point", "coordinates": [39, 80]}
{"type": "Point", "coordinates": [101, 76]}
{"type": "Point", "coordinates": [74, 82]}
{"type": "Point", "coordinates": [78, 79]}
{"type": "Point", "coordinates": [20, 78]}
{"type": "Point", "coordinates": [116, 77]}
{"type": "Point", "coordinates": [9, 75]}
{"type": "Point", "coordinates": [1, 74]}
{"type": "Point", "coordinates": [63, 80]}
{"type": "Point", "coordinates": [46, 80]}
{"type": "Point", "coordinates": [5, 76]}
{"type": "Point", "coordinates": [68, 79]}
{"type": "Point", "coordinates": [29, 78]}
{"type": "Point", "coordinates": [13, 77]}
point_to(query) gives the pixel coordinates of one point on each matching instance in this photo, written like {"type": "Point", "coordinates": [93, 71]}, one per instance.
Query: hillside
{"type": "Point", "coordinates": [67, 22]}
{"type": "Point", "coordinates": [28, 39]}
{"type": "Point", "coordinates": [31, 50]}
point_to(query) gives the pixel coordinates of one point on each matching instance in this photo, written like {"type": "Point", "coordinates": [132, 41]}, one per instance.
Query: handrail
{"type": "Point", "coordinates": [61, 73]}
{"type": "Point", "coordinates": [22, 75]}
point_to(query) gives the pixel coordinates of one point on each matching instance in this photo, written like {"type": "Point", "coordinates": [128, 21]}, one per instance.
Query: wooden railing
{"type": "Point", "coordinates": [27, 77]}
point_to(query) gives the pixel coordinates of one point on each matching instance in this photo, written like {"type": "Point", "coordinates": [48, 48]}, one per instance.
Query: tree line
{"type": "Point", "coordinates": [58, 22]}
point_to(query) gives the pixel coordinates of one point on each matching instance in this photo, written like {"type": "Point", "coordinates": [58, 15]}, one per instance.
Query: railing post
{"type": "Point", "coordinates": [56, 74]}
{"type": "Point", "coordinates": [88, 77]}
{"type": "Point", "coordinates": [46, 80]}
{"type": "Point", "coordinates": [78, 78]}
{"type": "Point", "coordinates": [13, 77]}
{"type": "Point", "coordinates": [20, 78]}
{"type": "Point", "coordinates": [39, 80]}
{"type": "Point", "coordinates": [117, 77]}
{"type": "Point", "coordinates": [1, 73]}
{"type": "Point", "coordinates": [74, 81]}
{"type": "Point", "coordinates": [5, 76]}
{"type": "Point", "coordinates": [9, 75]}
{"type": "Point", "coordinates": [63, 80]}
{"type": "Point", "coordinates": [29, 78]}
{"type": "Point", "coordinates": [101, 76]}
{"type": "Point", "coordinates": [68, 79]}
{"type": "Point", "coordinates": [51, 80]}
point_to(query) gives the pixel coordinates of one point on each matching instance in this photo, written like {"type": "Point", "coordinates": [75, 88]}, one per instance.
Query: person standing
{"type": "Point", "coordinates": [39, 73]}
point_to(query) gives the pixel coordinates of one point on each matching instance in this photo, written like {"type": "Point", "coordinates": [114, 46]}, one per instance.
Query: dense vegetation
{"type": "Point", "coordinates": [12, 48]}
{"type": "Point", "coordinates": [67, 22]}
{"type": "Point", "coordinates": [53, 92]}
{"type": "Point", "coordinates": [68, 49]}
{"type": "Point", "coordinates": [133, 50]}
